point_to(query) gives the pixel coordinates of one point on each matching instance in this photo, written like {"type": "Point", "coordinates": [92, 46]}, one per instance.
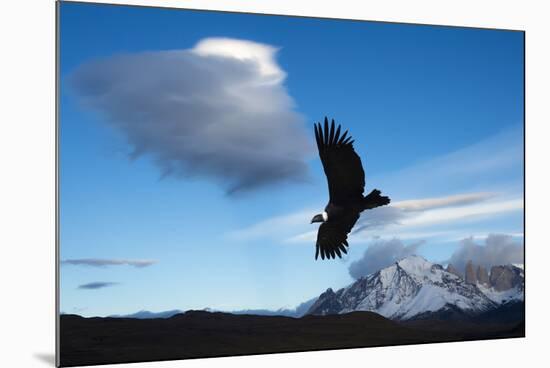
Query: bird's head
{"type": "Point", "coordinates": [322, 217]}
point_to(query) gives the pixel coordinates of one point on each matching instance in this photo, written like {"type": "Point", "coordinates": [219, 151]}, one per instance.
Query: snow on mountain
{"type": "Point", "coordinates": [409, 287]}
{"type": "Point", "coordinates": [507, 284]}
{"type": "Point", "coordinates": [296, 312]}
{"type": "Point", "coordinates": [501, 297]}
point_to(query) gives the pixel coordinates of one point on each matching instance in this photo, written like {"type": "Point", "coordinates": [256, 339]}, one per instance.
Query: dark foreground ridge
{"type": "Point", "coordinates": [199, 334]}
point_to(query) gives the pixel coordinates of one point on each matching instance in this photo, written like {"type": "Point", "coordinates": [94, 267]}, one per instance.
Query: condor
{"type": "Point", "coordinates": [346, 182]}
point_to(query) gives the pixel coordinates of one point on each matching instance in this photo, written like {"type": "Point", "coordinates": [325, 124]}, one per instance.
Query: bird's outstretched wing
{"type": "Point", "coordinates": [332, 237]}
{"type": "Point", "coordinates": [343, 168]}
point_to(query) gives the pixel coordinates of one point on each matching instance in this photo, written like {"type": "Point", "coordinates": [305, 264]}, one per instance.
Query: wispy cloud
{"type": "Point", "coordinates": [482, 235]}
{"type": "Point", "coordinates": [469, 213]}
{"type": "Point", "coordinates": [448, 201]}
{"type": "Point", "coordinates": [420, 210]}
{"type": "Point", "coordinates": [443, 223]}
{"type": "Point", "coordinates": [495, 163]}
{"type": "Point", "coordinates": [219, 111]}
{"type": "Point", "coordinates": [409, 219]}
{"type": "Point", "coordinates": [102, 262]}
{"type": "Point", "coordinates": [97, 285]}
{"type": "Point", "coordinates": [273, 226]}
{"type": "Point", "coordinates": [305, 237]}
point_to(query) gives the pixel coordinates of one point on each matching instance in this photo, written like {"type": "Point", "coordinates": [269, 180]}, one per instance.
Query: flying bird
{"type": "Point", "coordinates": [346, 183]}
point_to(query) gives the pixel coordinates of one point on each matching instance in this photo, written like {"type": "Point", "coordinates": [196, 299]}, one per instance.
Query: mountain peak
{"type": "Point", "coordinates": [414, 264]}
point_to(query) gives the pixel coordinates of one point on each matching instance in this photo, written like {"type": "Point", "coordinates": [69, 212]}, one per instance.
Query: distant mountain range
{"type": "Point", "coordinates": [143, 314]}
{"type": "Point", "coordinates": [297, 312]}
{"type": "Point", "coordinates": [412, 288]}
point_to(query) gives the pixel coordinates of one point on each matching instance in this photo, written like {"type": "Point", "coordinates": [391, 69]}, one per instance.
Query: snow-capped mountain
{"type": "Point", "coordinates": [410, 287]}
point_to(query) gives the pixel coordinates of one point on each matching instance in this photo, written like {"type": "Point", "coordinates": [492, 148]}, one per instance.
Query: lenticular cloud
{"type": "Point", "coordinates": [218, 111]}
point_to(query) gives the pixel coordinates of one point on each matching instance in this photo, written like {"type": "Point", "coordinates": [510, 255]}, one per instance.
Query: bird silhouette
{"type": "Point", "coordinates": [346, 183]}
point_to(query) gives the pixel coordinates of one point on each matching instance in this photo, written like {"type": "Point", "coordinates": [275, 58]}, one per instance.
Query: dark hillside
{"type": "Point", "coordinates": [199, 334]}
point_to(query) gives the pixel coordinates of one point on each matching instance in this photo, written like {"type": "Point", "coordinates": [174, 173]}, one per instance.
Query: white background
{"type": "Point", "coordinates": [27, 181]}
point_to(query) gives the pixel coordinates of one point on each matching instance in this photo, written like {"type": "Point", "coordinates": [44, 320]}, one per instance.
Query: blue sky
{"type": "Point", "coordinates": [169, 222]}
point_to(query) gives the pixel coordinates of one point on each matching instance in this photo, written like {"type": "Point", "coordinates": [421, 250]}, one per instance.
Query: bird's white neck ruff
{"type": "Point", "coordinates": [325, 216]}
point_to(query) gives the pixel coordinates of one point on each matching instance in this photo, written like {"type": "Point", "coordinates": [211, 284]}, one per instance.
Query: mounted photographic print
{"type": "Point", "coordinates": [235, 184]}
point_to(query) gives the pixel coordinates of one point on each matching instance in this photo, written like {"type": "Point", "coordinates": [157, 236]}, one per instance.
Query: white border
{"type": "Point", "coordinates": [27, 202]}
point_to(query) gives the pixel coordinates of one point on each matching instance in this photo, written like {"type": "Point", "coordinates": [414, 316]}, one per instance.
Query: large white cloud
{"type": "Point", "coordinates": [380, 254]}
{"type": "Point", "coordinates": [498, 249]}
{"type": "Point", "coordinates": [218, 111]}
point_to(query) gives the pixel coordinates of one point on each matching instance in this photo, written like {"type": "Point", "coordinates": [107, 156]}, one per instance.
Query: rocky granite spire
{"type": "Point", "coordinates": [469, 274]}
{"type": "Point", "coordinates": [452, 269]}
{"type": "Point", "coordinates": [505, 277]}
{"type": "Point", "coordinates": [482, 276]}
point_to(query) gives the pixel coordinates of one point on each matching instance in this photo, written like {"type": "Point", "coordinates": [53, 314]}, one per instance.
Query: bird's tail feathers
{"type": "Point", "coordinates": [375, 199]}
